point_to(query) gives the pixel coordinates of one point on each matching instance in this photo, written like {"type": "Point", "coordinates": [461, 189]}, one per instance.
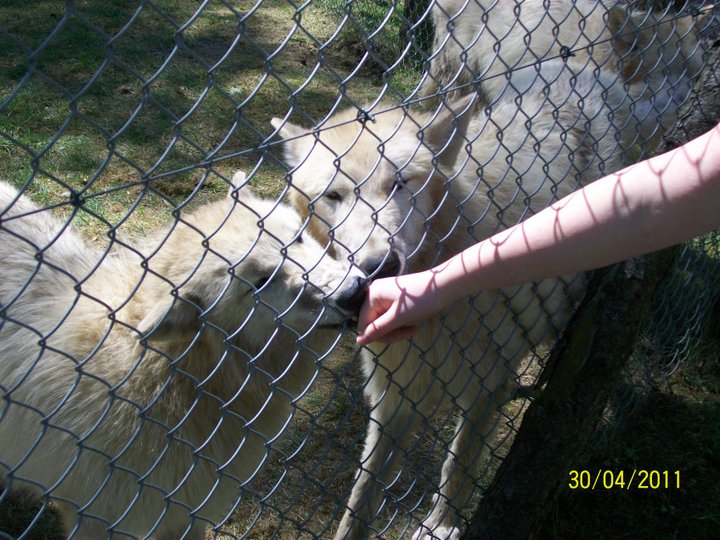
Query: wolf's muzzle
{"type": "Point", "coordinates": [389, 265]}
{"type": "Point", "coordinates": [352, 297]}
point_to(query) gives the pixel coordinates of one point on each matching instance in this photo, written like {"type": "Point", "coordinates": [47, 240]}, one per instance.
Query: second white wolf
{"type": "Point", "coordinates": [404, 190]}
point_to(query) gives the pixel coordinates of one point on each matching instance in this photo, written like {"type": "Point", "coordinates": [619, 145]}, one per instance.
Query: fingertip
{"type": "Point", "coordinates": [368, 336]}
{"type": "Point", "coordinates": [393, 336]}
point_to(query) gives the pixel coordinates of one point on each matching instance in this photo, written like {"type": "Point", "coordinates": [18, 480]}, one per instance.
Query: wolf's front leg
{"type": "Point", "coordinates": [473, 435]}
{"type": "Point", "coordinates": [392, 424]}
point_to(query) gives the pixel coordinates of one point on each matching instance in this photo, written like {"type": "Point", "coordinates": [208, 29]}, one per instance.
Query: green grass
{"type": "Point", "coordinates": [120, 97]}
{"type": "Point", "coordinates": [377, 32]}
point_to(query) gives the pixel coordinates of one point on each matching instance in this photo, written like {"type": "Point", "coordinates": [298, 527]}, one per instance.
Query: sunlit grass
{"type": "Point", "coordinates": [156, 97]}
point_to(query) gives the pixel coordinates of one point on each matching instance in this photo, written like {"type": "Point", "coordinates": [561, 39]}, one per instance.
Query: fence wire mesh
{"type": "Point", "coordinates": [194, 196]}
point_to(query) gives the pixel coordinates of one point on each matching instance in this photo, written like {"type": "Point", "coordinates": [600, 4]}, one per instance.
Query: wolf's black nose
{"type": "Point", "coordinates": [386, 266]}
{"type": "Point", "coordinates": [353, 296]}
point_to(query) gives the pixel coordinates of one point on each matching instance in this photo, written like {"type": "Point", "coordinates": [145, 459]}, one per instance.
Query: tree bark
{"type": "Point", "coordinates": [586, 364]}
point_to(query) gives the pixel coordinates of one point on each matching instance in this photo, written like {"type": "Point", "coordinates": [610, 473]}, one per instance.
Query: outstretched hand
{"type": "Point", "coordinates": [394, 307]}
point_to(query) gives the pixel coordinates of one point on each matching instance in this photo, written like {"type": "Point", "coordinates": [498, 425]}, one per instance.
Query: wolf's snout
{"type": "Point", "coordinates": [388, 265]}
{"type": "Point", "coordinates": [352, 298]}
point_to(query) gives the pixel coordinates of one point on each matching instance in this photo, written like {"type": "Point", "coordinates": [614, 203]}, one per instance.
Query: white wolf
{"type": "Point", "coordinates": [141, 394]}
{"type": "Point", "coordinates": [656, 54]}
{"type": "Point", "coordinates": [405, 189]}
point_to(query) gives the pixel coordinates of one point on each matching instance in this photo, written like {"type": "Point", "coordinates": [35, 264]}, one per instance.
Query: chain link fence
{"type": "Point", "coordinates": [194, 196]}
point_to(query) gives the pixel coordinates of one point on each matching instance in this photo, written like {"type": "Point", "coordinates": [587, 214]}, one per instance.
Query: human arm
{"type": "Point", "coordinates": [648, 206]}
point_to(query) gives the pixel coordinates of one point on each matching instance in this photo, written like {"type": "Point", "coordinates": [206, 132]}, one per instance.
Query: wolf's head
{"type": "Point", "coordinates": [372, 185]}
{"type": "Point", "coordinates": [244, 266]}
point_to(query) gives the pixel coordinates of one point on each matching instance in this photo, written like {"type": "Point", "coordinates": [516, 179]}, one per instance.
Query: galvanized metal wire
{"type": "Point", "coordinates": [122, 125]}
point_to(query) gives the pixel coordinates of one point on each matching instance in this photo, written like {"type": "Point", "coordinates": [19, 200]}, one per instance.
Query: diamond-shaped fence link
{"type": "Point", "coordinates": [194, 196]}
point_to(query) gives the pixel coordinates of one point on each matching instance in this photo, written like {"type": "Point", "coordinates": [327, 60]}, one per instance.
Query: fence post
{"type": "Point", "coordinates": [584, 366]}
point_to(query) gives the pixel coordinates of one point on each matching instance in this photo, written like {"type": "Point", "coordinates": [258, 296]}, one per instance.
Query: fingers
{"type": "Point", "coordinates": [384, 325]}
{"type": "Point", "coordinates": [384, 315]}
{"type": "Point", "coordinates": [397, 334]}
{"type": "Point", "coordinates": [377, 303]}
{"type": "Point", "coordinates": [373, 326]}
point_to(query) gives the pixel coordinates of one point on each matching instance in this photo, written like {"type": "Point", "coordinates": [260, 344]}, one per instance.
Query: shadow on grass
{"type": "Point", "coordinates": [105, 95]}
{"type": "Point", "coordinates": [21, 513]}
{"type": "Point", "coordinates": [669, 432]}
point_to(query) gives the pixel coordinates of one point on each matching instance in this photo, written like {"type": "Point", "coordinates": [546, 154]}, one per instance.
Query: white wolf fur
{"type": "Point", "coordinates": [488, 40]}
{"type": "Point", "coordinates": [656, 54]}
{"type": "Point", "coordinates": [385, 200]}
{"type": "Point", "coordinates": [135, 412]}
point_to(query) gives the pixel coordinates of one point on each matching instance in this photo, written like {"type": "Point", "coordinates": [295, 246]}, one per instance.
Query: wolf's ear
{"type": "Point", "coordinates": [239, 179]}
{"type": "Point", "coordinates": [297, 141]}
{"type": "Point", "coordinates": [241, 191]}
{"type": "Point", "coordinates": [172, 319]}
{"type": "Point", "coordinates": [446, 130]}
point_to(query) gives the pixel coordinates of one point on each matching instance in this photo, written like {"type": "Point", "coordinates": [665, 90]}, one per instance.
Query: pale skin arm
{"type": "Point", "coordinates": [654, 204]}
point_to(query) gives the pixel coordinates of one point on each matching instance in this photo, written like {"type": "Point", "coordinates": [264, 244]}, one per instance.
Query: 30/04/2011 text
{"type": "Point", "coordinates": [635, 478]}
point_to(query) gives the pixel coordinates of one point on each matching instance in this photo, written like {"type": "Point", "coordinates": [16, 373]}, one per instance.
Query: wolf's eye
{"type": "Point", "coordinates": [333, 196]}
{"type": "Point", "coordinates": [398, 184]}
{"type": "Point", "coordinates": [260, 283]}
